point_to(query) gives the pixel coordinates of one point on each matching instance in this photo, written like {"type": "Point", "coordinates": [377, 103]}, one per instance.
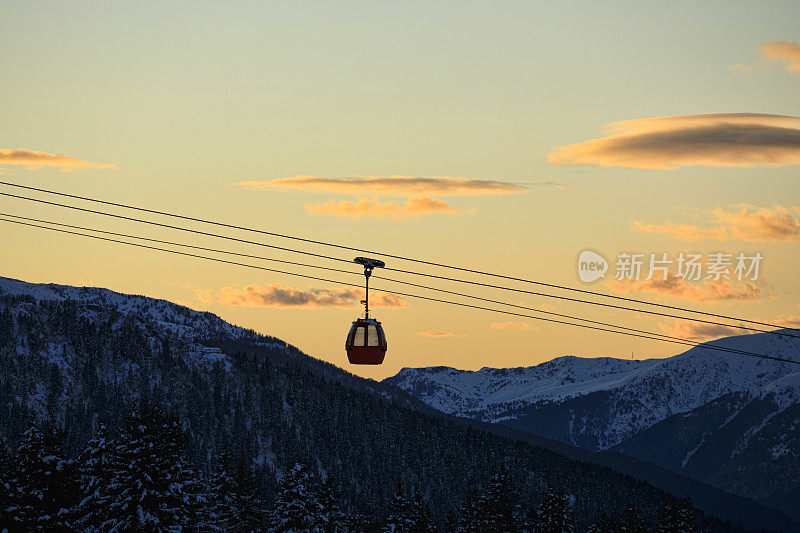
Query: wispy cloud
{"type": "Point", "coordinates": [397, 186]}
{"type": "Point", "coordinates": [519, 326]}
{"type": "Point", "coordinates": [696, 331]}
{"type": "Point", "coordinates": [421, 193]}
{"type": "Point", "coordinates": [356, 210]}
{"type": "Point", "coordinates": [741, 69]}
{"type": "Point", "coordinates": [709, 291]}
{"type": "Point", "coordinates": [788, 321]}
{"type": "Point", "coordinates": [275, 295]}
{"type": "Point", "coordinates": [559, 186]}
{"type": "Point", "coordinates": [34, 160]}
{"type": "Point", "coordinates": [720, 139]}
{"type": "Point", "coordinates": [439, 334]}
{"type": "Point", "coordinates": [785, 52]}
{"type": "Point", "coordinates": [747, 223]}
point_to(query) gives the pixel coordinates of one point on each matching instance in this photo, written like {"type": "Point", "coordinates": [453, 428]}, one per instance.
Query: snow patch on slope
{"type": "Point", "coordinates": [640, 393]}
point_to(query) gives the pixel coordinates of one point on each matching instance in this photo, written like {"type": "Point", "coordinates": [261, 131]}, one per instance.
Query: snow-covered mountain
{"type": "Point", "coordinates": [642, 408]}
{"type": "Point", "coordinates": [73, 357]}
{"type": "Point", "coordinates": [185, 323]}
{"type": "Point", "coordinates": [156, 323]}
{"type": "Point", "coordinates": [643, 392]}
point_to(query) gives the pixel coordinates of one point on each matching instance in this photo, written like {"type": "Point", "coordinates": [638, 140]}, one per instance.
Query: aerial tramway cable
{"type": "Point", "coordinates": [416, 296]}
{"type": "Point", "coordinates": [446, 278]}
{"type": "Point", "coordinates": [403, 282]}
{"type": "Point", "coordinates": [182, 245]}
{"type": "Point", "coordinates": [393, 256]}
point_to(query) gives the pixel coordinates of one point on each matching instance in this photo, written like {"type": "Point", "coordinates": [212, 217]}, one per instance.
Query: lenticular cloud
{"type": "Point", "coordinates": [720, 139]}
{"type": "Point", "coordinates": [35, 160]}
{"type": "Point", "coordinates": [398, 186]}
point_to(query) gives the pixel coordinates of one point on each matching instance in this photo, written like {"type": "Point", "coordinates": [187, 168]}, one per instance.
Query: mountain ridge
{"type": "Point", "coordinates": [78, 355]}
{"type": "Point", "coordinates": [671, 411]}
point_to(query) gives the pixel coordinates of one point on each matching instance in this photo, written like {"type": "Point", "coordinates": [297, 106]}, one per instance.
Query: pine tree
{"type": "Point", "coordinates": [497, 509]}
{"type": "Point", "coordinates": [47, 481]}
{"type": "Point", "coordinates": [249, 510]}
{"type": "Point", "coordinates": [468, 512]}
{"type": "Point", "coordinates": [93, 471]}
{"type": "Point", "coordinates": [676, 516]}
{"type": "Point", "coordinates": [10, 492]}
{"type": "Point", "coordinates": [152, 487]}
{"type": "Point", "coordinates": [633, 521]}
{"type": "Point", "coordinates": [297, 507]}
{"type": "Point", "coordinates": [400, 517]}
{"type": "Point", "coordinates": [554, 514]}
{"type": "Point", "coordinates": [330, 514]}
{"type": "Point", "coordinates": [420, 512]}
{"type": "Point", "coordinates": [222, 510]}
{"type": "Point", "coordinates": [187, 486]}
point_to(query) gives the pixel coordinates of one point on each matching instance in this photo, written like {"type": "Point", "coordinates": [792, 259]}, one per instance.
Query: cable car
{"type": "Point", "coordinates": [366, 341]}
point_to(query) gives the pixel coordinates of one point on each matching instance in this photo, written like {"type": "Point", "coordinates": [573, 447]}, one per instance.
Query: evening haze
{"type": "Point", "coordinates": [503, 137]}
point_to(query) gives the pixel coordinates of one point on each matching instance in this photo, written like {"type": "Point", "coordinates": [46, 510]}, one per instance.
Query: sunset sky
{"type": "Point", "coordinates": [506, 137]}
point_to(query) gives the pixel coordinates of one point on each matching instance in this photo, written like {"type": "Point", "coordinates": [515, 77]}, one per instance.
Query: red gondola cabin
{"type": "Point", "coordinates": [366, 342]}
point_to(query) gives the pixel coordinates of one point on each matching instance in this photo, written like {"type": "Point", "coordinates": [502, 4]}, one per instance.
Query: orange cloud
{"type": "Point", "coordinates": [720, 139]}
{"type": "Point", "coordinates": [520, 326]}
{"type": "Point", "coordinates": [788, 321]}
{"type": "Point", "coordinates": [275, 295]}
{"type": "Point", "coordinates": [356, 210]}
{"type": "Point", "coordinates": [438, 334]}
{"type": "Point", "coordinates": [700, 332]}
{"type": "Point", "coordinates": [35, 160]}
{"type": "Point", "coordinates": [204, 294]}
{"type": "Point", "coordinates": [749, 224]}
{"type": "Point", "coordinates": [403, 186]}
{"type": "Point", "coordinates": [784, 52]}
{"type": "Point", "coordinates": [721, 290]}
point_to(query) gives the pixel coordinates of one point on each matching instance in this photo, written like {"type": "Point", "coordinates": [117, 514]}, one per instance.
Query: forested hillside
{"type": "Point", "coordinates": [75, 363]}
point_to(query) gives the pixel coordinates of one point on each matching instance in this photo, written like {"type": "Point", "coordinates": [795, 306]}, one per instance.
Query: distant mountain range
{"type": "Point", "coordinates": [72, 357]}
{"type": "Point", "coordinates": [729, 420]}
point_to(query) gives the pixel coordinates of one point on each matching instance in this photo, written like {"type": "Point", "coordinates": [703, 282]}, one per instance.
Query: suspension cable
{"type": "Point", "coordinates": [512, 289]}
{"type": "Point", "coordinates": [170, 226]}
{"type": "Point", "coordinates": [427, 287]}
{"type": "Point", "coordinates": [416, 296]}
{"type": "Point", "coordinates": [393, 256]}
{"type": "Point", "coordinates": [182, 245]}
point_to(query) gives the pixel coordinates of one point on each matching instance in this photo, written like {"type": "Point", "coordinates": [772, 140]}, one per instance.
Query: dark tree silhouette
{"type": "Point", "coordinates": [554, 514]}
{"type": "Point", "coordinates": [10, 491]}
{"type": "Point", "coordinates": [151, 485]}
{"type": "Point", "coordinates": [677, 516]}
{"type": "Point", "coordinates": [47, 481]}
{"type": "Point", "coordinates": [297, 506]}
